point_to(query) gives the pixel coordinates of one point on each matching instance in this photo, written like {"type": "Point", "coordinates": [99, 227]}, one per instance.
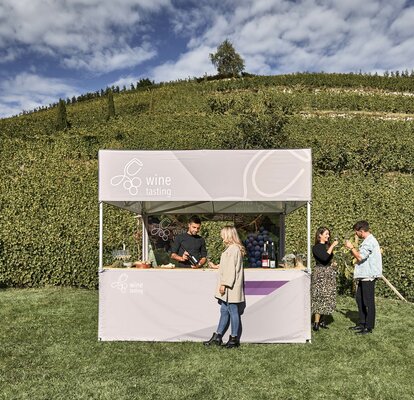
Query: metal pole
{"type": "Point", "coordinates": [145, 238]}
{"type": "Point", "coordinates": [308, 258]}
{"type": "Point", "coordinates": [100, 236]}
{"type": "Point", "coordinates": [282, 237]}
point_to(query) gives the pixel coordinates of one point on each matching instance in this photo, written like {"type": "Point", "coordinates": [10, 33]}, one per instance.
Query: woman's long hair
{"type": "Point", "coordinates": [319, 232]}
{"type": "Point", "coordinates": [230, 236]}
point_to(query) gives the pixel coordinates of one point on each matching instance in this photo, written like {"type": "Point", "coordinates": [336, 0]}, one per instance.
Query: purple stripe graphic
{"type": "Point", "coordinates": [262, 288]}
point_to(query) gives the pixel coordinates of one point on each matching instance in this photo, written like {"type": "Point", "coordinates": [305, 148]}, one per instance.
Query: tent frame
{"type": "Point", "coordinates": [177, 182]}
{"type": "Point", "coordinates": [145, 237]}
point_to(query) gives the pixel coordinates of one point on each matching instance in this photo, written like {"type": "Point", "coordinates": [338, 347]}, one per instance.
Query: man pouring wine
{"type": "Point", "coordinates": [189, 248]}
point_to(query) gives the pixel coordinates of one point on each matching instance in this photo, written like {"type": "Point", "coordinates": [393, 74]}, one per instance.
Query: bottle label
{"type": "Point", "coordinates": [272, 264]}
{"type": "Point", "coordinates": [265, 263]}
{"type": "Point", "coordinates": [193, 260]}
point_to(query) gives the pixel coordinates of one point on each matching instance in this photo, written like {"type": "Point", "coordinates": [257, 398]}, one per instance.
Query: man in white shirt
{"type": "Point", "coordinates": [367, 269]}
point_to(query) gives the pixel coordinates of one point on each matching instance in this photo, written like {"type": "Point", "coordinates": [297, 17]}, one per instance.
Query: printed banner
{"type": "Point", "coordinates": [178, 305]}
{"type": "Point", "coordinates": [205, 175]}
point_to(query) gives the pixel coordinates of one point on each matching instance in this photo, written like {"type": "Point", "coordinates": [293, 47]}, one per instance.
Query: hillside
{"type": "Point", "coordinates": [360, 129]}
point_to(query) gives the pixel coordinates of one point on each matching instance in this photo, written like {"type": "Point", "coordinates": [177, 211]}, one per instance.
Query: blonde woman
{"type": "Point", "coordinates": [230, 288]}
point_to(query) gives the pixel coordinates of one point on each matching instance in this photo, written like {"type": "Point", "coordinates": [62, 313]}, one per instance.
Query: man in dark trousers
{"type": "Point", "coordinates": [189, 248]}
{"type": "Point", "coordinates": [367, 269]}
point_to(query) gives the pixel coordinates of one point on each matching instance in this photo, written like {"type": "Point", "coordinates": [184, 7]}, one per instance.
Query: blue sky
{"type": "Point", "coordinates": [51, 49]}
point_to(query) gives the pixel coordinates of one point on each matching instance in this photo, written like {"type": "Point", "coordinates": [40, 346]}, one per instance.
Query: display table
{"type": "Point", "coordinates": [178, 305]}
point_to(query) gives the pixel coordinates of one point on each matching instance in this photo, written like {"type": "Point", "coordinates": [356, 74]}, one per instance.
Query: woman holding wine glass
{"type": "Point", "coordinates": [323, 280]}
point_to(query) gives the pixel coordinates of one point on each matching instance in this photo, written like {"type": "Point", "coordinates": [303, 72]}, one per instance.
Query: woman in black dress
{"type": "Point", "coordinates": [323, 278]}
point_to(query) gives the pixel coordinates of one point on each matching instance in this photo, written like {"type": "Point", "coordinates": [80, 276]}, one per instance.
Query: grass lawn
{"type": "Point", "coordinates": [49, 350]}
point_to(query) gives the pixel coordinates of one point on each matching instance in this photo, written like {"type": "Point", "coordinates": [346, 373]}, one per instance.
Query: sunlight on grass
{"type": "Point", "coordinates": [50, 350]}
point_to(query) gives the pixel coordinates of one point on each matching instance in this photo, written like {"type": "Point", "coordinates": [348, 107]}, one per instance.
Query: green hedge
{"type": "Point", "coordinates": [387, 202]}
{"type": "Point", "coordinates": [49, 217]}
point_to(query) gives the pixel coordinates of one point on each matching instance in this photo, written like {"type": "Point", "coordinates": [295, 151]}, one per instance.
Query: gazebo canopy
{"type": "Point", "coordinates": [206, 181]}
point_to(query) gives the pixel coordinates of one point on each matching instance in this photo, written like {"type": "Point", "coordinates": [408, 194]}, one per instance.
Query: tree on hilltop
{"type": "Point", "coordinates": [227, 61]}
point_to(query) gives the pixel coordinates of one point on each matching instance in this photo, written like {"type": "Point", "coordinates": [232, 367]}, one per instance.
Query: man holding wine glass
{"type": "Point", "coordinates": [189, 248]}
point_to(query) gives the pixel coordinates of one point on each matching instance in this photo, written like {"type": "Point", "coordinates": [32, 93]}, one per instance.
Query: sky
{"type": "Point", "coordinates": [51, 49]}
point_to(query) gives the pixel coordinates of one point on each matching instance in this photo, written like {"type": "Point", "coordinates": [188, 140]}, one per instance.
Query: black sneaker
{"type": "Point", "coordinates": [323, 325]}
{"type": "Point", "coordinates": [364, 331]}
{"type": "Point", "coordinates": [356, 328]}
{"type": "Point", "coordinates": [232, 343]}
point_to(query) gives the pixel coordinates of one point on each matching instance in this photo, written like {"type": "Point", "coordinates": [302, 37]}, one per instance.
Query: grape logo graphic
{"type": "Point", "coordinates": [129, 180]}
{"type": "Point", "coordinates": [124, 287]}
{"type": "Point", "coordinates": [161, 229]}
{"type": "Point", "coordinates": [121, 283]}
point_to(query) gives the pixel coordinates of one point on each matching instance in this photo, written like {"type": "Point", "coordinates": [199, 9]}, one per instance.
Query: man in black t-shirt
{"type": "Point", "coordinates": [189, 248]}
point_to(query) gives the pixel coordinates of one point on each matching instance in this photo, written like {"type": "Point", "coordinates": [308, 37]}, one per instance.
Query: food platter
{"type": "Point", "coordinates": [167, 266]}
{"type": "Point", "coordinates": [141, 264]}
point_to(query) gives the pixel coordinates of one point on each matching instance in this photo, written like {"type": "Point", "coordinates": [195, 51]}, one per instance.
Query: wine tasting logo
{"type": "Point", "coordinates": [121, 284]}
{"type": "Point", "coordinates": [129, 180]}
{"type": "Point", "coordinates": [132, 179]}
{"type": "Point", "coordinates": [124, 287]}
{"type": "Point", "coordinates": [161, 229]}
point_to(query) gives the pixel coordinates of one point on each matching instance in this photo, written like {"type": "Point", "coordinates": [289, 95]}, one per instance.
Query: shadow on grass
{"type": "Point", "coordinates": [352, 315]}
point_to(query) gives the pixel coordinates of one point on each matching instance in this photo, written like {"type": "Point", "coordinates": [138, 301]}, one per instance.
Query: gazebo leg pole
{"type": "Point", "coordinates": [100, 236]}
{"type": "Point", "coordinates": [308, 258]}
{"type": "Point", "coordinates": [145, 238]}
{"type": "Point", "coordinates": [282, 236]}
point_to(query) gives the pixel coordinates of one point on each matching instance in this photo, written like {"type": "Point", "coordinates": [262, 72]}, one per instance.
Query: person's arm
{"type": "Point", "coordinates": [228, 268]}
{"type": "Point", "coordinates": [332, 246]}
{"type": "Point", "coordinates": [355, 253]}
{"type": "Point", "coordinates": [322, 253]}
{"type": "Point", "coordinates": [182, 258]}
{"type": "Point", "coordinates": [233, 263]}
{"type": "Point", "coordinates": [203, 253]}
{"type": "Point", "coordinates": [175, 248]}
{"type": "Point", "coordinates": [222, 290]}
{"type": "Point", "coordinates": [202, 261]}
{"type": "Point", "coordinates": [213, 266]}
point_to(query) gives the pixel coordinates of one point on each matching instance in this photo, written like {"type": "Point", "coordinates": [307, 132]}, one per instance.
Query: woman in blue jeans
{"type": "Point", "coordinates": [230, 288]}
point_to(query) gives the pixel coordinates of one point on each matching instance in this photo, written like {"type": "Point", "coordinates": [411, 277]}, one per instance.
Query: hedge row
{"type": "Point", "coordinates": [49, 216]}
{"type": "Point", "coordinates": [321, 80]}
{"type": "Point", "coordinates": [192, 99]}
{"type": "Point", "coordinates": [386, 201]}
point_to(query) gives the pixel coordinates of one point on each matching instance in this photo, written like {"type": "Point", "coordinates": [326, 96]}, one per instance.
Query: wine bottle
{"type": "Point", "coordinates": [272, 255]}
{"type": "Point", "coordinates": [193, 260]}
{"type": "Point", "coordinates": [265, 255]}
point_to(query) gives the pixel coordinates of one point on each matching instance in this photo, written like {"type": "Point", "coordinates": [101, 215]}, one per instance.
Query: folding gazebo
{"type": "Point", "coordinates": [177, 305]}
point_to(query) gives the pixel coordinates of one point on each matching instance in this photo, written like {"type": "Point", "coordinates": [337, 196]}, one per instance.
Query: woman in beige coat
{"type": "Point", "coordinates": [230, 288]}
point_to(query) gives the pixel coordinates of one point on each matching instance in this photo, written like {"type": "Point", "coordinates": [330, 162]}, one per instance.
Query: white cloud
{"type": "Point", "coordinates": [194, 63]}
{"type": "Point", "coordinates": [257, 63]}
{"type": "Point", "coordinates": [403, 26]}
{"type": "Point", "coordinates": [126, 81]}
{"type": "Point", "coordinates": [28, 91]}
{"type": "Point", "coordinates": [281, 36]}
{"type": "Point", "coordinates": [111, 60]}
{"type": "Point", "coordinates": [81, 29]}
{"type": "Point", "coordinates": [9, 55]}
